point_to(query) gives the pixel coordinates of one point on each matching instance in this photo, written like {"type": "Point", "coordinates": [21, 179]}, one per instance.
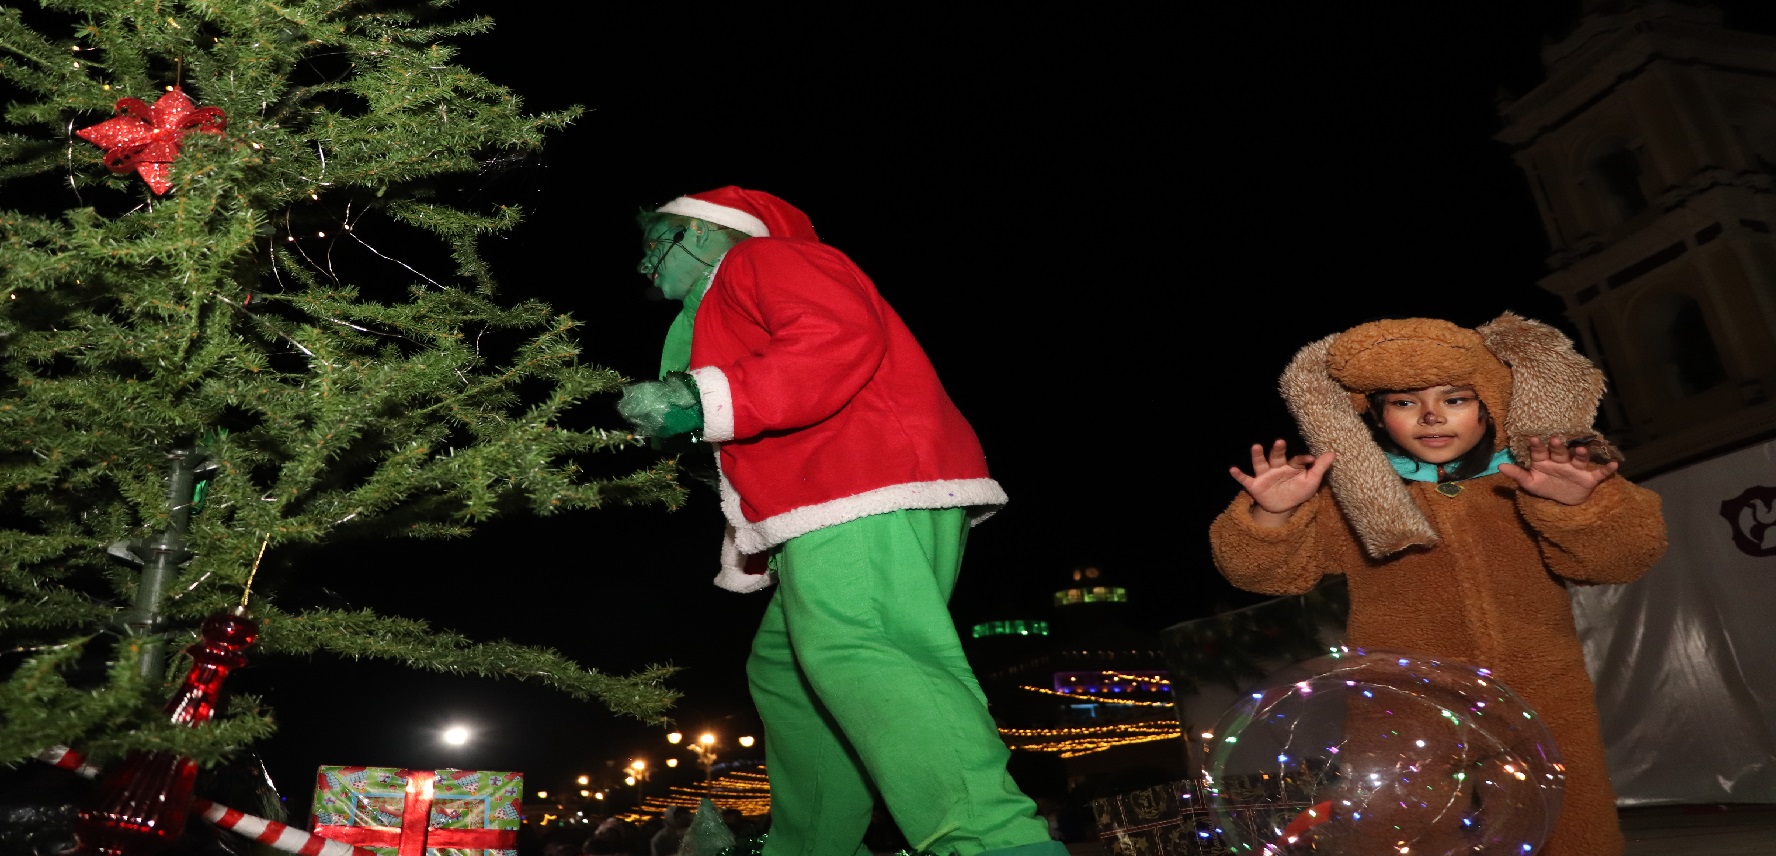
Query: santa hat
{"type": "Point", "coordinates": [754, 212]}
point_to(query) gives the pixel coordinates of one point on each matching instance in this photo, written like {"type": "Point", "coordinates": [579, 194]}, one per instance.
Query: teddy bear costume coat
{"type": "Point", "coordinates": [1480, 576]}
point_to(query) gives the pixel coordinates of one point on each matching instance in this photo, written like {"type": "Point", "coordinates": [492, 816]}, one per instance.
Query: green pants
{"type": "Point", "coordinates": [861, 682]}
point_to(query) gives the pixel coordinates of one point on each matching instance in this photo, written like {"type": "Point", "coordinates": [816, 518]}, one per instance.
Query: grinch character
{"type": "Point", "coordinates": [1455, 480]}
{"type": "Point", "coordinates": [846, 468]}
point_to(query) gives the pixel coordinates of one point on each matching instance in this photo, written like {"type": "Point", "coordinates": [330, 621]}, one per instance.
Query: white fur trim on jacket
{"type": "Point", "coordinates": [982, 496]}
{"type": "Point", "coordinates": [717, 399]}
{"type": "Point", "coordinates": [733, 575]}
{"type": "Point", "coordinates": [720, 215]}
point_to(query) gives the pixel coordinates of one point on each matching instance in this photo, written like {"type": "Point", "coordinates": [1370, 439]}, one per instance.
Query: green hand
{"type": "Point", "coordinates": [663, 408]}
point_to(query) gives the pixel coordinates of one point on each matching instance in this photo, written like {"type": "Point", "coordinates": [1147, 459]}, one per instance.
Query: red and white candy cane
{"type": "Point", "coordinates": [68, 759]}
{"type": "Point", "coordinates": [269, 832]}
{"type": "Point", "coordinates": [286, 838]}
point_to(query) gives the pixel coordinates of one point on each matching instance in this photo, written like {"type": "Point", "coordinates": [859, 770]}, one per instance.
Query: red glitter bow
{"type": "Point", "coordinates": [147, 139]}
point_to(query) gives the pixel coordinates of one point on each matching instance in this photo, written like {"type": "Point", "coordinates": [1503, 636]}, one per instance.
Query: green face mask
{"type": "Point", "coordinates": [677, 251]}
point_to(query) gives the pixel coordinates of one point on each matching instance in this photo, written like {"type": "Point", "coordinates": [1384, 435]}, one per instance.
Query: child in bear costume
{"type": "Point", "coordinates": [845, 464]}
{"type": "Point", "coordinates": [1464, 490]}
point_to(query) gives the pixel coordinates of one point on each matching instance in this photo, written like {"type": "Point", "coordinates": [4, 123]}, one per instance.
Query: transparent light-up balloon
{"type": "Point", "coordinates": [1369, 753]}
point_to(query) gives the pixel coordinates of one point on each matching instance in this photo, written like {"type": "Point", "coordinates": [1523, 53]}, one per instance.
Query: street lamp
{"type": "Point", "coordinates": [707, 749]}
{"type": "Point", "coordinates": [638, 773]}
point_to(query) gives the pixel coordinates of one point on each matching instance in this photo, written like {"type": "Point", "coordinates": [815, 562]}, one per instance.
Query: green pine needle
{"type": "Point", "coordinates": [361, 381]}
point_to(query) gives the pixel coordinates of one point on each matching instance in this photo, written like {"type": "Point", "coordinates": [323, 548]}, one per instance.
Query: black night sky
{"type": "Point", "coordinates": [1110, 231]}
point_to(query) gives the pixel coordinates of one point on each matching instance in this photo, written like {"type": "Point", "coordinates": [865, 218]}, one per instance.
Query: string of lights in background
{"type": "Point", "coordinates": [748, 790]}
{"type": "Point", "coordinates": [1107, 688]}
{"type": "Point", "coordinates": [624, 792]}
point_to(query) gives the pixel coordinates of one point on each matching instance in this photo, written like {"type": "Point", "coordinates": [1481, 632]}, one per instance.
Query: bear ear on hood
{"type": "Point", "coordinates": [1557, 390]}
{"type": "Point", "coordinates": [1545, 387]}
{"type": "Point", "coordinates": [1368, 491]}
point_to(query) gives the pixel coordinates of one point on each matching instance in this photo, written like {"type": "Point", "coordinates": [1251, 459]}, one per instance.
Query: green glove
{"type": "Point", "coordinates": [666, 407]}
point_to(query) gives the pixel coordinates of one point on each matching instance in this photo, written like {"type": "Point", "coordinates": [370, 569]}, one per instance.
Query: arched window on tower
{"type": "Point", "coordinates": [1609, 411]}
{"type": "Point", "coordinates": [1677, 337]}
{"type": "Point", "coordinates": [1614, 175]}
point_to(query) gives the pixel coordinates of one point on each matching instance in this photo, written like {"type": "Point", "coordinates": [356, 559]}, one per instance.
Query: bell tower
{"type": "Point", "coordinates": [1651, 152]}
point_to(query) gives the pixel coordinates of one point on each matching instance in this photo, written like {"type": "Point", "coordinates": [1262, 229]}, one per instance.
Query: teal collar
{"type": "Point", "coordinates": [1413, 469]}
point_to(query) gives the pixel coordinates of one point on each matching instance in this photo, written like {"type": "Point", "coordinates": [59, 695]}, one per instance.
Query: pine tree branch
{"type": "Point", "coordinates": [365, 635]}
{"type": "Point", "coordinates": [309, 303]}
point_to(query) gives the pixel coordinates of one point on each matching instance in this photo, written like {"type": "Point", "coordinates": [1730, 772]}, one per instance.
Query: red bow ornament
{"type": "Point", "coordinates": [147, 139]}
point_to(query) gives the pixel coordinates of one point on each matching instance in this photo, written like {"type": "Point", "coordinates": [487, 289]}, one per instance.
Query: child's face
{"type": "Point", "coordinates": [1437, 424]}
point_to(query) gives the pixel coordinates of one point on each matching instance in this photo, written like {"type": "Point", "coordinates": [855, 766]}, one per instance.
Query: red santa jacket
{"type": "Point", "coordinates": [822, 405]}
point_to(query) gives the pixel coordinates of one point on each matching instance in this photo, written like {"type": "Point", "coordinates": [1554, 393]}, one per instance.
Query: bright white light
{"type": "Point", "coordinates": [456, 735]}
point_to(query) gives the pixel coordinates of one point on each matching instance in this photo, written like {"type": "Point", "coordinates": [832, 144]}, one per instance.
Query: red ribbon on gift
{"type": "Point", "coordinates": [415, 833]}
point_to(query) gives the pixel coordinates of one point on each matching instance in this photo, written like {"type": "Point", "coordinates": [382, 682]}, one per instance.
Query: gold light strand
{"type": "Point", "coordinates": [1099, 699]}
{"type": "Point", "coordinates": [1148, 727]}
{"type": "Point", "coordinates": [1076, 748]}
{"type": "Point", "coordinates": [1158, 682]}
{"type": "Point", "coordinates": [248, 591]}
{"type": "Point", "coordinates": [747, 791]}
{"type": "Point", "coordinates": [1084, 740]}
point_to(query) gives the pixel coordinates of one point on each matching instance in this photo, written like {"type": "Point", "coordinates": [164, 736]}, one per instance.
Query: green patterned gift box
{"type": "Point", "coordinates": [397, 812]}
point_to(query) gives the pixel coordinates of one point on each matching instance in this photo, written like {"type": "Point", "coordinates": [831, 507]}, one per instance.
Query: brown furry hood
{"type": "Point", "coordinates": [1528, 373]}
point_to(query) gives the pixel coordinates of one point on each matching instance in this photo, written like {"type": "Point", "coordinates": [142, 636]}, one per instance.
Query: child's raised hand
{"type": "Point", "coordinates": [1559, 472]}
{"type": "Point", "coordinates": [1279, 484]}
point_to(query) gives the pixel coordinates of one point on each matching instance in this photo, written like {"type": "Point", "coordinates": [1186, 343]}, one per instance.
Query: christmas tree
{"type": "Point", "coordinates": [245, 314]}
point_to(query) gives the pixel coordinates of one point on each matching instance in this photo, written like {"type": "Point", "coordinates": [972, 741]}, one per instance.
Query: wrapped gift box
{"type": "Point", "coordinates": [397, 812]}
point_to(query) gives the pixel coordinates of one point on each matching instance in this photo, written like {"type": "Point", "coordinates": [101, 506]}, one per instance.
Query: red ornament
{"type": "Point", "coordinates": [140, 809]}
{"type": "Point", "coordinates": [146, 139]}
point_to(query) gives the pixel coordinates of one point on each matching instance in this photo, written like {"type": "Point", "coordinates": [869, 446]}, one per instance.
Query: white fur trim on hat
{"type": "Point", "coordinates": [720, 215]}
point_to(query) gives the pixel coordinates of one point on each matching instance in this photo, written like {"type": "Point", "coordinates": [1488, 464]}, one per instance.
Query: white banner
{"type": "Point", "coordinates": [1685, 658]}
